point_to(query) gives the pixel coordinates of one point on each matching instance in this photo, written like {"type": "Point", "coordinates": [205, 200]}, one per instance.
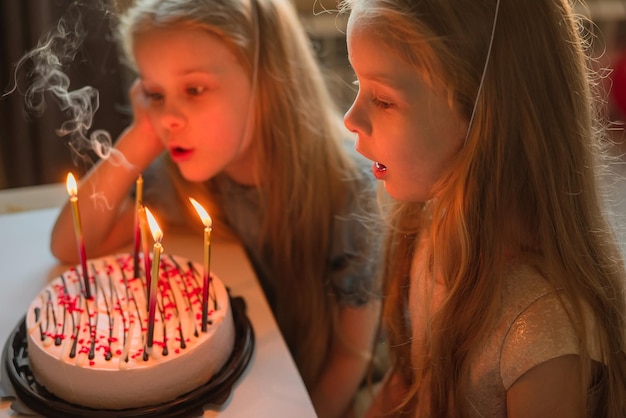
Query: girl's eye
{"type": "Point", "coordinates": [196, 90]}
{"type": "Point", "coordinates": [382, 104]}
{"type": "Point", "coordinates": [153, 96]}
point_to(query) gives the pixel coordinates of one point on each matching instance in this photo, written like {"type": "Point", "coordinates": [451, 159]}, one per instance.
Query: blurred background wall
{"type": "Point", "coordinates": [31, 152]}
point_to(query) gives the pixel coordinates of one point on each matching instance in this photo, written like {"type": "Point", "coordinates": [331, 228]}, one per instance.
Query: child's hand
{"type": "Point", "coordinates": [141, 126]}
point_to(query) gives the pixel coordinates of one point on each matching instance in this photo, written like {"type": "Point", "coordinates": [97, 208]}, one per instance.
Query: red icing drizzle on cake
{"type": "Point", "coordinates": [178, 296]}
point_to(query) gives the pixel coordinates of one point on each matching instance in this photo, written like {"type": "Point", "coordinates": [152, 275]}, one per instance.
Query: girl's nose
{"type": "Point", "coordinates": [172, 118]}
{"type": "Point", "coordinates": [355, 119]}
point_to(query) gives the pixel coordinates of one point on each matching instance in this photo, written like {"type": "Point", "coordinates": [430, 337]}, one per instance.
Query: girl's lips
{"type": "Point", "coordinates": [180, 154]}
{"type": "Point", "coordinates": [379, 170]}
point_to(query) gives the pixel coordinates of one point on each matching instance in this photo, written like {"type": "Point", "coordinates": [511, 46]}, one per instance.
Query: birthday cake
{"type": "Point", "coordinates": [95, 351]}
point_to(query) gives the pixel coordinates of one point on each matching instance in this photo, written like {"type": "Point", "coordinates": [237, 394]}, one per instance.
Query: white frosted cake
{"type": "Point", "coordinates": [92, 352]}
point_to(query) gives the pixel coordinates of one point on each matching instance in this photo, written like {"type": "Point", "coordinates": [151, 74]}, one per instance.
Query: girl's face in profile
{"type": "Point", "coordinates": [402, 124]}
{"type": "Point", "coordinates": [198, 96]}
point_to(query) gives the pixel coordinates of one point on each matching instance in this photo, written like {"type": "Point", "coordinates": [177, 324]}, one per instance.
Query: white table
{"type": "Point", "coordinates": [270, 387]}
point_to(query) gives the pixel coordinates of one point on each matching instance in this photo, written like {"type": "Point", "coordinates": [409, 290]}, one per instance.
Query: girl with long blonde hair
{"type": "Point", "coordinates": [503, 282]}
{"type": "Point", "coordinates": [231, 90]}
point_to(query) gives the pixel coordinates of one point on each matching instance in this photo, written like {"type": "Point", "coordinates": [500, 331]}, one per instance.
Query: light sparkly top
{"type": "Point", "coordinates": [533, 327]}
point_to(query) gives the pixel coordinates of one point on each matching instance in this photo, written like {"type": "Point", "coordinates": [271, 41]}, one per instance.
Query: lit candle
{"type": "Point", "coordinates": [208, 226]}
{"type": "Point", "coordinates": [143, 227]}
{"type": "Point", "coordinates": [138, 204]}
{"type": "Point", "coordinates": [157, 249]}
{"type": "Point", "coordinates": [72, 190]}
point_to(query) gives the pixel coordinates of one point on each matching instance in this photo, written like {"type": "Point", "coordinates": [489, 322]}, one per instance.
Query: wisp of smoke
{"type": "Point", "coordinates": [58, 47]}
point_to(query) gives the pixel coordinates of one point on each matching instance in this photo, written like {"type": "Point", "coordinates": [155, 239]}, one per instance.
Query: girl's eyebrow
{"type": "Point", "coordinates": [190, 71]}
{"type": "Point", "coordinates": [382, 78]}
{"type": "Point", "coordinates": [198, 71]}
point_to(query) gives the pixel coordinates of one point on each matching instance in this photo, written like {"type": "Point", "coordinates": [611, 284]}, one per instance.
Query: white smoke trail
{"type": "Point", "coordinates": [46, 62]}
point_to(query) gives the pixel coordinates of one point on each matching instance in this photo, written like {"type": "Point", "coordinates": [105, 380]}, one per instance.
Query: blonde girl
{"type": "Point", "coordinates": [503, 282]}
{"type": "Point", "coordinates": [231, 91]}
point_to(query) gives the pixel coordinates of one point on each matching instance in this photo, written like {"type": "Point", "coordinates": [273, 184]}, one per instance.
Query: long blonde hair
{"type": "Point", "coordinates": [525, 180]}
{"type": "Point", "coordinates": [302, 166]}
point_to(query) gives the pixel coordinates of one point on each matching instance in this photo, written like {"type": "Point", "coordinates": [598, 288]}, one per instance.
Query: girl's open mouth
{"type": "Point", "coordinates": [379, 170]}
{"type": "Point", "coordinates": [179, 154]}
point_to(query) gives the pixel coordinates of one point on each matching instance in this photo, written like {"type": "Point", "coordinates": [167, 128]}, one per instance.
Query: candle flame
{"type": "Point", "coordinates": [206, 219]}
{"type": "Point", "coordinates": [157, 234]}
{"type": "Point", "coordinates": [72, 188]}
